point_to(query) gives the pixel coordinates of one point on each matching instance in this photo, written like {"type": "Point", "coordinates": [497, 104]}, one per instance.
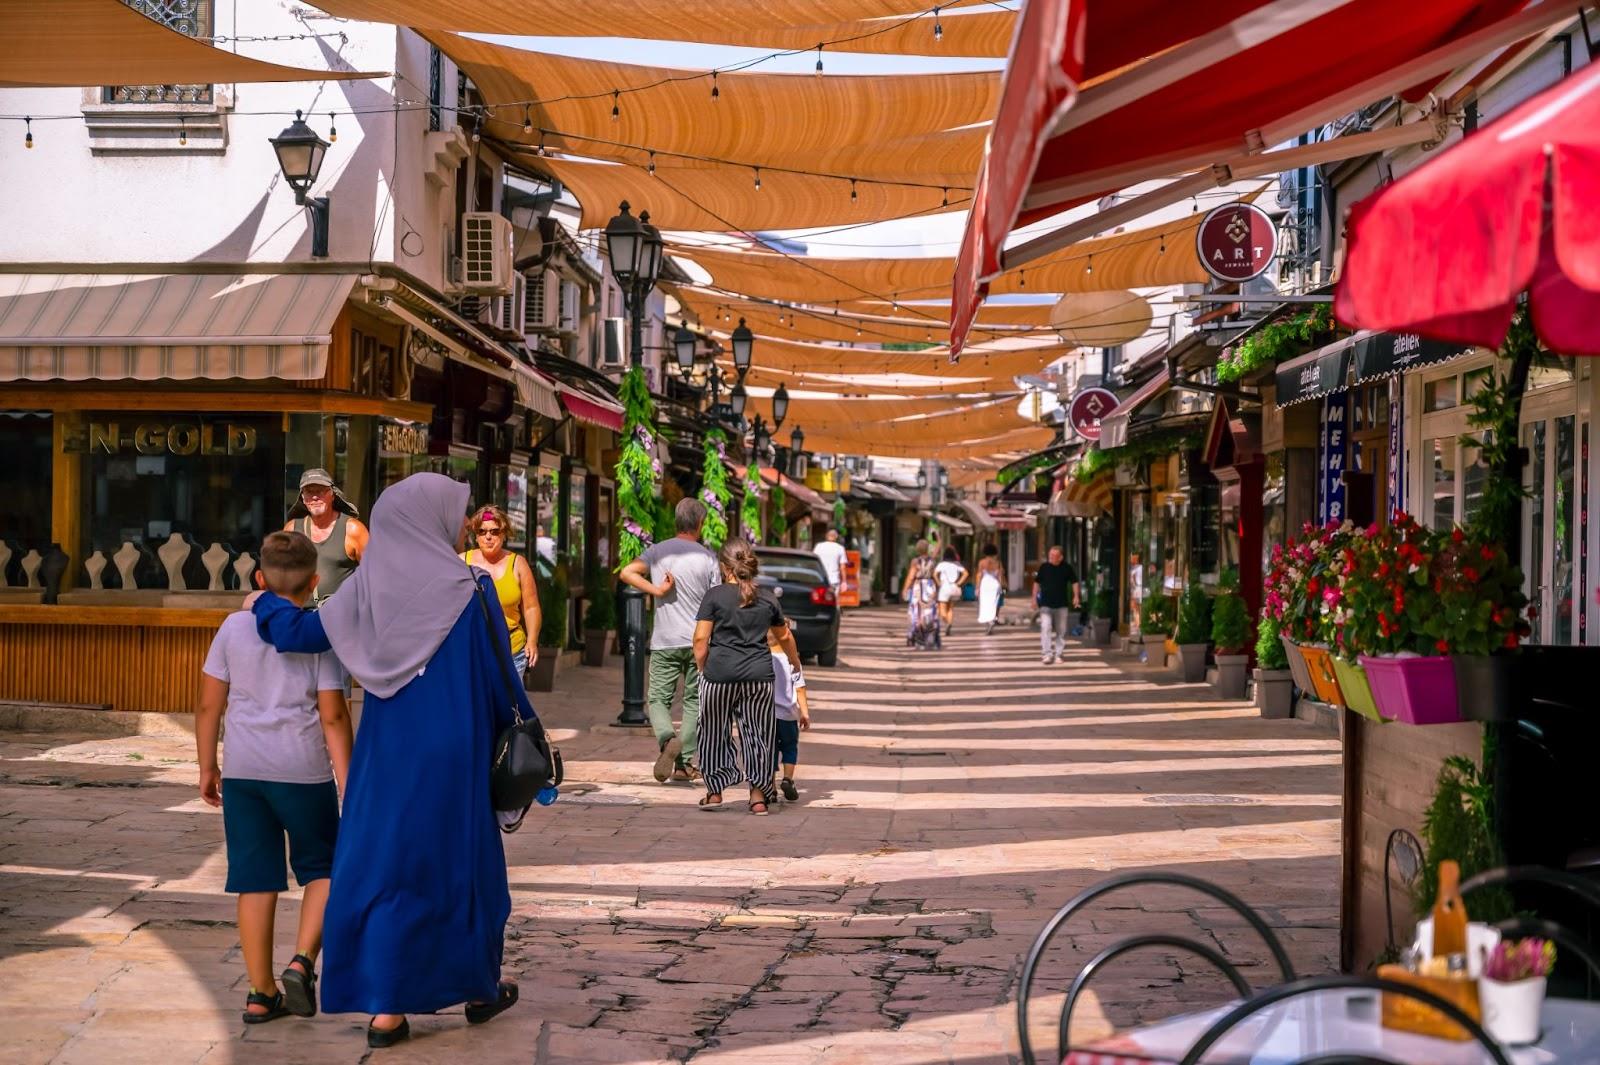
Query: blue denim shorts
{"type": "Point", "coordinates": [788, 741]}
{"type": "Point", "coordinates": [258, 814]}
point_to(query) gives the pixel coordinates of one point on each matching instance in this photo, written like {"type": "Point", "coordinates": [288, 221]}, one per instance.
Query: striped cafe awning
{"type": "Point", "coordinates": [178, 327]}
{"type": "Point", "coordinates": [1084, 499]}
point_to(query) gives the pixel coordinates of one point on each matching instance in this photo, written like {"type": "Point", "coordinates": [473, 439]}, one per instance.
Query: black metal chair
{"type": "Point", "coordinates": [1402, 852]}
{"type": "Point", "coordinates": [1272, 996]}
{"type": "Point", "coordinates": [1132, 943]}
{"type": "Point", "coordinates": [1527, 925]}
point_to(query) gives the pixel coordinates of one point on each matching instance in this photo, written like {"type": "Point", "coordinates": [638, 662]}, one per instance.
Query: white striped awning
{"type": "Point", "coordinates": [180, 327]}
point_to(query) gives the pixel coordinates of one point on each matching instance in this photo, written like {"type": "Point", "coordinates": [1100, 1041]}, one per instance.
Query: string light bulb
{"type": "Point", "coordinates": [477, 126]}
{"type": "Point", "coordinates": [183, 131]}
{"type": "Point", "coordinates": [541, 144]}
{"type": "Point", "coordinates": [527, 120]}
{"type": "Point", "coordinates": [944, 197]}
{"type": "Point", "coordinates": [616, 104]}
{"type": "Point", "coordinates": [333, 129]}
{"type": "Point", "coordinates": [651, 166]}
{"type": "Point", "coordinates": [758, 178]}
{"type": "Point", "coordinates": [938, 27]}
{"type": "Point", "coordinates": [819, 58]}
{"type": "Point", "coordinates": [1089, 266]}
{"type": "Point", "coordinates": [1022, 279]}
{"type": "Point", "coordinates": [852, 190]}
{"type": "Point", "coordinates": [27, 139]}
{"type": "Point", "coordinates": [1163, 244]}
{"type": "Point", "coordinates": [715, 92]}
{"type": "Point", "coordinates": [858, 330]}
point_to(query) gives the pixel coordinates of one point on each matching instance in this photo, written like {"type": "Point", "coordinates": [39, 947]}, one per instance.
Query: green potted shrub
{"type": "Point", "coordinates": [553, 606]}
{"type": "Point", "coordinates": [1155, 625]}
{"type": "Point", "coordinates": [1230, 631]}
{"type": "Point", "coordinates": [1274, 681]}
{"type": "Point", "coordinates": [1194, 632]}
{"type": "Point", "coordinates": [1104, 612]}
{"type": "Point", "coordinates": [598, 621]}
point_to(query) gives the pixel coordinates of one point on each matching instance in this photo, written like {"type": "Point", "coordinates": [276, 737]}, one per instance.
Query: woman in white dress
{"type": "Point", "coordinates": [991, 581]}
{"type": "Point", "coordinates": [951, 575]}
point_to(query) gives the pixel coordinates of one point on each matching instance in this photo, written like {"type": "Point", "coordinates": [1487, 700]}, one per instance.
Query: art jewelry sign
{"type": "Point", "coordinates": [155, 438]}
{"type": "Point", "coordinates": [1236, 241]}
{"type": "Point", "coordinates": [1088, 406]}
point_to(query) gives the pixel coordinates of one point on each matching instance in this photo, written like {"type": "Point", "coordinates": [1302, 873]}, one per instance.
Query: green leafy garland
{"type": "Point", "coordinates": [1495, 413]}
{"type": "Point", "coordinates": [838, 515]}
{"type": "Point", "coordinates": [750, 510]}
{"type": "Point", "coordinates": [1012, 474]}
{"type": "Point", "coordinates": [714, 490]}
{"type": "Point", "coordinates": [638, 470]}
{"type": "Point", "coordinates": [1156, 445]}
{"type": "Point", "coordinates": [1272, 344]}
{"type": "Point", "coordinates": [778, 524]}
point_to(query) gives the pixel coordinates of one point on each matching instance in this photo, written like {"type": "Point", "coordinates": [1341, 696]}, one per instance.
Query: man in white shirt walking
{"type": "Point", "coordinates": [831, 553]}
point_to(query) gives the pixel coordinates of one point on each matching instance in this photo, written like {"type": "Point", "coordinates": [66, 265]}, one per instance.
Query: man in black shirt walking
{"type": "Point", "coordinates": [1055, 590]}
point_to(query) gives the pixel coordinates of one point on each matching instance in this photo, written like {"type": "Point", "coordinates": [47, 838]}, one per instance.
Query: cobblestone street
{"type": "Point", "coordinates": [949, 804]}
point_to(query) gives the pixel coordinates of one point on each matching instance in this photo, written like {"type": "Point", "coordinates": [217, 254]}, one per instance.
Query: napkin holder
{"type": "Point", "coordinates": [1406, 1014]}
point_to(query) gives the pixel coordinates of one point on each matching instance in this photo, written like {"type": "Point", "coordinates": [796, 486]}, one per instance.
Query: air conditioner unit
{"type": "Point", "coordinates": [540, 303]}
{"type": "Point", "coordinates": [514, 308]}
{"type": "Point", "coordinates": [614, 351]}
{"type": "Point", "coordinates": [486, 250]}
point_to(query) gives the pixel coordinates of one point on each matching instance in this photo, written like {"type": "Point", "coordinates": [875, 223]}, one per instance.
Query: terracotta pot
{"type": "Point", "coordinates": [1275, 693]}
{"type": "Point", "coordinates": [1232, 672]}
{"type": "Point", "coordinates": [1355, 688]}
{"type": "Point", "coordinates": [594, 646]}
{"type": "Point", "coordinates": [1297, 665]}
{"type": "Point", "coordinates": [1417, 691]}
{"type": "Point", "coordinates": [1192, 661]}
{"type": "Point", "coordinates": [1323, 681]}
{"type": "Point", "coordinates": [541, 675]}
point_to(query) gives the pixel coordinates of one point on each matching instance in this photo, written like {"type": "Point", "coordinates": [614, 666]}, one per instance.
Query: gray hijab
{"type": "Point", "coordinates": [389, 617]}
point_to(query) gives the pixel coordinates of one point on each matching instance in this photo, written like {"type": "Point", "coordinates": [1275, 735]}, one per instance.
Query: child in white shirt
{"type": "Point", "coordinates": [789, 701]}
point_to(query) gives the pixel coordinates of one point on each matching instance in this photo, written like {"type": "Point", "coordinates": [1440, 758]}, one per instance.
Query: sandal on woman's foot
{"type": "Point", "coordinates": [709, 805]}
{"type": "Point", "coordinates": [478, 1012]}
{"type": "Point", "coordinates": [685, 774]}
{"type": "Point", "coordinates": [378, 1038]}
{"type": "Point", "coordinates": [759, 807]}
{"type": "Point", "coordinates": [300, 988]}
{"type": "Point", "coordinates": [272, 1005]}
{"type": "Point", "coordinates": [790, 792]}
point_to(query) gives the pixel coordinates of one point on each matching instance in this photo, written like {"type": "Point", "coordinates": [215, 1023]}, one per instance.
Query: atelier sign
{"type": "Point", "coordinates": [156, 438]}
{"type": "Point", "coordinates": [395, 439]}
{"type": "Point", "coordinates": [1236, 241]}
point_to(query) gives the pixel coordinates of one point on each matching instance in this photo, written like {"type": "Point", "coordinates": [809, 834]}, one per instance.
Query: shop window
{"type": "Point", "coordinates": [210, 478]}
{"type": "Point", "coordinates": [1550, 370]}
{"type": "Point", "coordinates": [192, 18]}
{"type": "Point", "coordinates": [1444, 482]}
{"type": "Point", "coordinates": [1440, 394]}
{"type": "Point", "coordinates": [25, 484]}
{"type": "Point", "coordinates": [1472, 382]}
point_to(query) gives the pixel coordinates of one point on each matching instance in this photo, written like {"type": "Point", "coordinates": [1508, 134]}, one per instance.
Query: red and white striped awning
{"type": "Point", "coordinates": [590, 408]}
{"type": "Point", "coordinates": [1179, 89]}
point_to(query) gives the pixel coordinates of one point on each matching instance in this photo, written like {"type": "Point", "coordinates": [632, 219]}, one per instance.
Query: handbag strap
{"type": "Point", "coordinates": [500, 652]}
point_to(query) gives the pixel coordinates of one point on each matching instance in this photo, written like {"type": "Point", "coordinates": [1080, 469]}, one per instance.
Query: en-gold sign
{"type": "Point", "coordinates": [155, 438]}
{"type": "Point", "coordinates": [395, 439]}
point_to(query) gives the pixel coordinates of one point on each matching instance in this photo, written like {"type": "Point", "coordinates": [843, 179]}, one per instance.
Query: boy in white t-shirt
{"type": "Point", "coordinates": [789, 702]}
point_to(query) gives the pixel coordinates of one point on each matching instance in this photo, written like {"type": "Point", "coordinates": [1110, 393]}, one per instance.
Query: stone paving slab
{"type": "Point", "coordinates": [950, 802]}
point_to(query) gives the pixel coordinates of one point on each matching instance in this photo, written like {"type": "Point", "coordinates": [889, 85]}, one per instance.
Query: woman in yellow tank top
{"type": "Point", "coordinates": [513, 582]}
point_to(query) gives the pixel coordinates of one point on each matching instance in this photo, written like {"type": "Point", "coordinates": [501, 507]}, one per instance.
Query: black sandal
{"type": "Point", "coordinates": [378, 1038]}
{"type": "Point", "coordinates": [478, 1012]}
{"type": "Point", "coordinates": [300, 988]}
{"type": "Point", "coordinates": [273, 1003]}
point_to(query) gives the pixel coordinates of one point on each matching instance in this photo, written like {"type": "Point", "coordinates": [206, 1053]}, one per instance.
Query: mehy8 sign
{"type": "Point", "coordinates": [1236, 241]}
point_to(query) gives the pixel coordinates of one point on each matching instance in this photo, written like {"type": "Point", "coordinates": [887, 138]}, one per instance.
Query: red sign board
{"type": "Point", "coordinates": [1088, 407]}
{"type": "Point", "coordinates": [1236, 241]}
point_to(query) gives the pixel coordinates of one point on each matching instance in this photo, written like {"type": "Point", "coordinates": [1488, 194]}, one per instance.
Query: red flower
{"type": "Point", "coordinates": [1487, 552]}
{"type": "Point", "coordinates": [1470, 574]}
{"type": "Point", "coordinates": [1442, 647]}
{"type": "Point", "coordinates": [1456, 535]}
{"type": "Point", "coordinates": [1511, 640]}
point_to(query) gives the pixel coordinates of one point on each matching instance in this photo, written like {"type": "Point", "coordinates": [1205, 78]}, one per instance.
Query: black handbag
{"type": "Point", "coordinates": [525, 762]}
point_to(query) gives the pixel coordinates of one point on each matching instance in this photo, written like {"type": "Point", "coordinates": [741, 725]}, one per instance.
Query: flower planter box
{"type": "Point", "coordinates": [1101, 630]}
{"type": "Point", "coordinates": [1275, 693]}
{"type": "Point", "coordinates": [1192, 662]}
{"type": "Point", "coordinates": [1417, 691]}
{"type": "Point", "coordinates": [1324, 682]}
{"type": "Point", "coordinates": [1488, 686]}
{"type": "Point", "coordinates": [1356, 688]}
{"type": "Point", "coordinates": [1297, 666]}
{"type": "Point", "coordinates": [541, 675]}
{"type": "Point", "coordinates": [1232, 672]}
{"type": "Point", "coordinates": [594, 646]}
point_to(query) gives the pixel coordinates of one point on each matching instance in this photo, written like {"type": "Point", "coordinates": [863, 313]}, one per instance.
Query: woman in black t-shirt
{"type": "Point", "coordinates": [730, 647]}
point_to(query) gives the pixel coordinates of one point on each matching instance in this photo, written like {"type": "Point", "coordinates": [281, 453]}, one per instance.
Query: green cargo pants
{"type": "Point", "coordinates": [667, 668]}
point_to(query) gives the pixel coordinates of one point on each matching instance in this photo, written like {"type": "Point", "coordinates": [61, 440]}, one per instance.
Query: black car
{"type": "Point", "coordinates": [801, 585]}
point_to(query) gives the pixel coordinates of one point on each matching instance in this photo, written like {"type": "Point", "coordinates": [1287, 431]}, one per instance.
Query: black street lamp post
{"type": "Point", "coordinates": [634, 247]}
{"type": "Point", "coordinates": [300, 153]}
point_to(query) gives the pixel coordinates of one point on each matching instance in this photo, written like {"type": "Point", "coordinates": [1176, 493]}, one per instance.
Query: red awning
{"type": "Point", "coordinates": [589, 408]}
{"type": "Point", "coordinates": [1114, 426]}
{"type": "Point", "coordinates": [1447, 250]}
{"type": "Point", "coordinates": [1246, 75]}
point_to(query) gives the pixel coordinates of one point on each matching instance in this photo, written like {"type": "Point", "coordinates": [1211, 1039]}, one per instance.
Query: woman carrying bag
{"type": "Point", "coordinates": [514, 585]}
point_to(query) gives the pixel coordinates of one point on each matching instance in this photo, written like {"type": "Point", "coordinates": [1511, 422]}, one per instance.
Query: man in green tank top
{"type": "Point", "coordinates": [324, 515]}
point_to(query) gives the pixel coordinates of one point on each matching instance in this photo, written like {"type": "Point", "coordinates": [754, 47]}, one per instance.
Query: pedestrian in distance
{"type": "Point", "coordinates": [951, 575]}
{"type": "Point", "coordinates": [920, 592]}
{"type": "Point", "coordinates": [284, 765]}
{"type": "Point", "coordinates": [514, 583]}
{"type": "Point", "coordinates": [677, 573]}
{"type": "Point", "coordinates": [417, 911]}
{"type": "Point", "coordinates": [736, 625]}
{"type": "Point", "coordinates": [793, 713]}
{"type": "Point", "coordinates": [1056, 593]}
{"type": "Point", "coordinates": [323, 514]}
{"type": "Point", "coordinates": [991, 587]}
{"type": "Point", "coordinates": [831, 553]}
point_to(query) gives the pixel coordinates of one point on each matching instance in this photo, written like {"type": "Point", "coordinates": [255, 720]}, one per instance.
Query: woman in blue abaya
{"type": "Point", "coordinates": [418, 903]}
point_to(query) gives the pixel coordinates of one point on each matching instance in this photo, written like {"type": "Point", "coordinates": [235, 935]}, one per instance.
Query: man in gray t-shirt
{"type": "Point", "coordinates": [678, 573]}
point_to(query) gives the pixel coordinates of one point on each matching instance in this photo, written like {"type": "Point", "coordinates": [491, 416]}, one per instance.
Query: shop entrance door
{"type": "Point", "coordinates": [1552, 533]}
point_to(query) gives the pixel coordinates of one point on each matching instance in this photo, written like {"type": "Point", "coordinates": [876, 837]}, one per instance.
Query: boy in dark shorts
{"type": "Point", "coordinates": [288, 742]}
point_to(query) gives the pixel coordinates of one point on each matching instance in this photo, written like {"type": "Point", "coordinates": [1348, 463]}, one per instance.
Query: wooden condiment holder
{"type": "Point", "coordinates": [1408, 1015]}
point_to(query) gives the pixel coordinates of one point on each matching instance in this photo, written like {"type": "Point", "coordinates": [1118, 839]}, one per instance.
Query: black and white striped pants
{"type": "Point", "coordinates": [751, 702]}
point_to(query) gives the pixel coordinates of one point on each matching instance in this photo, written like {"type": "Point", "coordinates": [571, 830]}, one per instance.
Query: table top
{"type": "Point", "coordinates": [1343, 1020]}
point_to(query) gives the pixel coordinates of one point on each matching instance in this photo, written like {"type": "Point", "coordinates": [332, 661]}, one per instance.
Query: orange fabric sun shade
{"type": "Point", "coordinates": [105, 42]}
{"type": "Point", "coordinates": [821, 324]}
{"type": "Point", "coordinates": [896, 27]}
